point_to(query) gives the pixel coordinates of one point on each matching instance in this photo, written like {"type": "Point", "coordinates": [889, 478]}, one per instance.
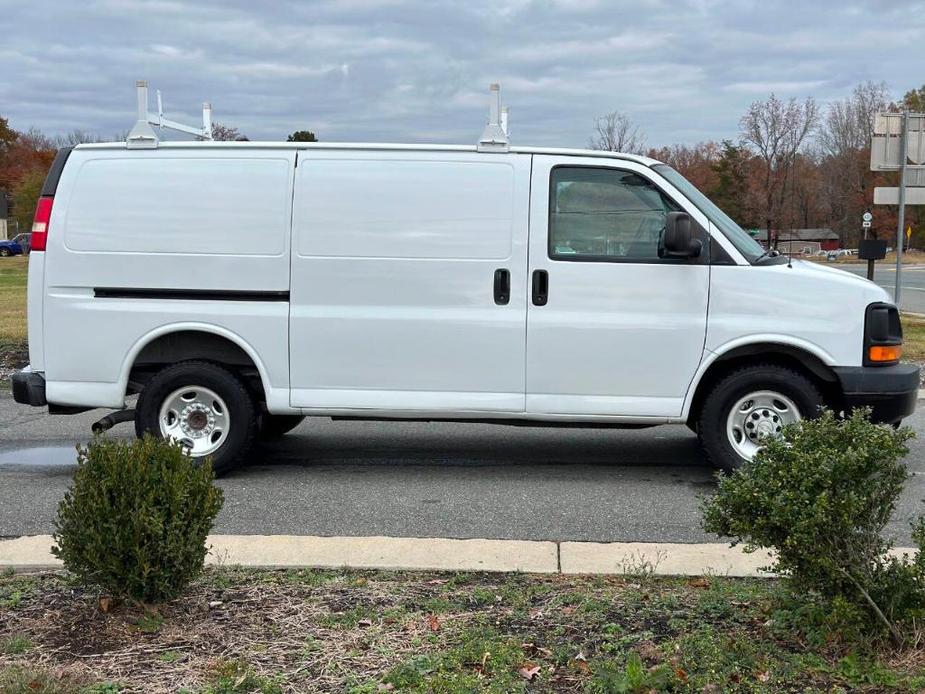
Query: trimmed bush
{"type": "Point", "coordinates": [136, 518]}
{"type": "Point", "coordinates": [820, 497]}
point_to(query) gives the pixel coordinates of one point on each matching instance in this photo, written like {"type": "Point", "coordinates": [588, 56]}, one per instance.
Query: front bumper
{"type": "Point", "coordinates": [890, 391]}
{"type": "Point", "coordinates": [29, 388]}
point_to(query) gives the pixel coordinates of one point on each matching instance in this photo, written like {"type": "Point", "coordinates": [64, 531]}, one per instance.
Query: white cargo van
{"type": "Point", "coordinates": [239, 287]}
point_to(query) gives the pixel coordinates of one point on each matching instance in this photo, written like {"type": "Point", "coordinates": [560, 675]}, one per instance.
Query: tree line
{"type": "Point", "coordinates": [792, 165]}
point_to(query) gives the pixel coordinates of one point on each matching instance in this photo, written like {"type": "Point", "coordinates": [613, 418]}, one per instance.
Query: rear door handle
{"type": "Point", "coordinates": [502, 286]}
{"type": "Point", "coordinates": [540, 287]}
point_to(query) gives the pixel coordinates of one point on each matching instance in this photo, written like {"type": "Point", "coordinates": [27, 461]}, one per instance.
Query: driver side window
{"type": "Point", "coordinates": [605, 214]}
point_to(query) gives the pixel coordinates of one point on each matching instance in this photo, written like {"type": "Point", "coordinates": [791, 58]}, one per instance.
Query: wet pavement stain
{"type": "Point", "coordinates": [39, 456]}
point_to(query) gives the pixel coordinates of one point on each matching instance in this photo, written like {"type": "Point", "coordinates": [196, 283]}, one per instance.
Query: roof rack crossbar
{"type": "Point", "coordinates": [143, 136]}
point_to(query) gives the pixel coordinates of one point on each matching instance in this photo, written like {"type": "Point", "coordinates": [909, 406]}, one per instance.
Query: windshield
{"type": "Point", "coordinates": [745, 244]}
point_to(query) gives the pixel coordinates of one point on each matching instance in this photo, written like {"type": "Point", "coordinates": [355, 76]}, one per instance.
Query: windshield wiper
{"type": "Point", "coordinates": [770, 253]}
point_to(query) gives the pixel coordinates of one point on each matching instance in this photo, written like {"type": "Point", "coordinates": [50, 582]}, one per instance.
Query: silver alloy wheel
{"type": "Point", "coordinates": [756, 417]}
{"type": "Point", "coordinates": [197, 417]}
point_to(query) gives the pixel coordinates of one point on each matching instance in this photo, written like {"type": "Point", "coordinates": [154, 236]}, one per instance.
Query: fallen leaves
{"type": "Point", "coordinates": [581, 662]}
{"type": "Point", "coordinates": [529, 671]}
{"type": "Point", "coordinates": [649, 651]}
{"type": "Point", "coordinates": [533, 649]}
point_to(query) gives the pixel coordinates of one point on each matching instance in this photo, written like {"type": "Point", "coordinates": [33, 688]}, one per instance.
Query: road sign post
{"type": "Point", "coordinates": [901, 225]}
{"type": "Point", "coordinates": [897, 139]}
{"type": "Point", "coordinates": [866, 220]}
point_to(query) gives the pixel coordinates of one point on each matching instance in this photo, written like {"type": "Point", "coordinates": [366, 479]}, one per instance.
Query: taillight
{"type": "Point", "coordinates": [40, 223]}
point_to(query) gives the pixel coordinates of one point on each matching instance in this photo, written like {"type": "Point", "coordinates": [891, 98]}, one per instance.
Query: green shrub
{"type": "Point", "coordinates": [136, 518]}
{"type": "Point", "coordinates": [820, 496]}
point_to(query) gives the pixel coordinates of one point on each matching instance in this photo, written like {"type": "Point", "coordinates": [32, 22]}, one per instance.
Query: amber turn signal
{"type": "Point", "coordinates": [883, 353]}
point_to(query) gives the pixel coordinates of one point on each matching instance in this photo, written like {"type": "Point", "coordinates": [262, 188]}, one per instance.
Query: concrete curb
{"type": "Point", "coordinates": [660, 558]}
{"type": "Point", "coordinates": [33, 553]}
{"type": "Point", "coordinates": [384, 553]}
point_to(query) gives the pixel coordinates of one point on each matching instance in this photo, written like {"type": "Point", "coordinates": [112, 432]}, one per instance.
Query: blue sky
{"type": "Point", "coordinates": [390, 70]}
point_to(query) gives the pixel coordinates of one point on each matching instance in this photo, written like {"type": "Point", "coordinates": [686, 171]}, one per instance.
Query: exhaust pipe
{"type": "Point", "coordinates": [110, 420]}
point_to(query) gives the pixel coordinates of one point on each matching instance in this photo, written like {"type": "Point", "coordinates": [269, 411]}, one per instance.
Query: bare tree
{"type": "Point", "coordinates": [776, 131]}
{"type": "Point", "coordinates": [849, 124]}
{"type": "Point", "coordinates": [226, 133]}
{"type": "Point", "coordinates": [615, 132]}
{"type": "Point", "coordinates": [75, 137]}
{"type": "Point", "coordinates": [844, 141]}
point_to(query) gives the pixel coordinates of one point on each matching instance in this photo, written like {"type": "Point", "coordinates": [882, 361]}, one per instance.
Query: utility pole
{"type": "Point", "coordinates": [900, 227]}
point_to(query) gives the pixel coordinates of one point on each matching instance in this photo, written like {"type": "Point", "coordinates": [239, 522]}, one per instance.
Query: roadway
{"type": "Point", "coordinates": [912, 296]}
{"type": "Point", "coordinates": [423, 480]}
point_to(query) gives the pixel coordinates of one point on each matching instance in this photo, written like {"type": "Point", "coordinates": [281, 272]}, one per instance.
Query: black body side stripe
{"type": "Point", "coordinates": [189, 294]}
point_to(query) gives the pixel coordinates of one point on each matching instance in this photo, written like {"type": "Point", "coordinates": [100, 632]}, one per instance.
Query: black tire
{"type": "Point", "coordinates": [241, 410]}
{"type": "Point", "coordinates": [711, 424]}
{"type": "Point", "coordinates": [5, 252]}
{"type": "Point", "coordinates": [274, 426]}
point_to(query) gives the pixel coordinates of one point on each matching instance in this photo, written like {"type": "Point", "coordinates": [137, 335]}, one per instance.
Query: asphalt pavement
{"type": "Point", "coordinates": [912, 294]}
{"type": "Point", "coordinates": [423, 480]}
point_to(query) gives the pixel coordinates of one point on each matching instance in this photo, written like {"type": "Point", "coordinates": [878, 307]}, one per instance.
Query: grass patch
{"type": "Point", "coordinates": [170, 656]}
{"type": "Point", "coordinates": [13, 275]}
{"type": "Point", "coordinates": [236, 677]}
{"type": "Point", "coordinates": [364, 632]}
{"type": "Point", "coordinates": [15, 590]}
{"type": "Point", "coordinates": [913, 337]}
{"type": "Point", "coordinates": [22, 680]}
{"type": "Point", "coordinates": [16, 645]}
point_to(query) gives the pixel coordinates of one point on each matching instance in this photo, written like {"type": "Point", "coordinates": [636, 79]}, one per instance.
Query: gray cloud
{"type": "Point", "coordinates": [395, 70]}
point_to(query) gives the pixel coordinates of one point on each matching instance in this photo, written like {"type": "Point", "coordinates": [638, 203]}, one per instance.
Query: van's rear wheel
{"type": "Point", "coordinates": [274, 426]}
{"type": "Point", "coordinates": [202, 405]}
{"type": "Point", "coordinates": [751, 405]}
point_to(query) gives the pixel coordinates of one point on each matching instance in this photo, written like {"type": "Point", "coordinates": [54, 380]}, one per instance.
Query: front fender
{"type": "Point", "coordinates": [711, 357]}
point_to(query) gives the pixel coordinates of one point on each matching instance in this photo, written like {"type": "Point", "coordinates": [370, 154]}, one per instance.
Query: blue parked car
{"type": "Point", "coordinates": [18, 245]}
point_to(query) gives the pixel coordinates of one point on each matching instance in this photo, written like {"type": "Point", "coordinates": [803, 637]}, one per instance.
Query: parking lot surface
{"type": "Point", "coordinates": [423, 480]}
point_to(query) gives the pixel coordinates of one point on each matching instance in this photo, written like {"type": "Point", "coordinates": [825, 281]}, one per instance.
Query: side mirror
{"type": "Point", "coordinates": [676, 239]}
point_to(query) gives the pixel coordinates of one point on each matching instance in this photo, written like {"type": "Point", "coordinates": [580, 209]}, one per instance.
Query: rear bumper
{"type": "Point", "coordinates": [890, 391]}
{"type": "Point", "coordinates": [29, 388]}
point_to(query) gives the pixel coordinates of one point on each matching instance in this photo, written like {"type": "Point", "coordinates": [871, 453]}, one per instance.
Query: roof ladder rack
{"type": "Point", "coordinates": [143, 136]}
{"type": "Point", "coordinates": [494, 137]}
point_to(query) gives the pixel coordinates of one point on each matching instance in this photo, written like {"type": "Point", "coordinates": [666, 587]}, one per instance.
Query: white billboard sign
{"type": "Point", "coordinates": [886, 144]}
{"type": "Point", "coordinates": [890, 196]}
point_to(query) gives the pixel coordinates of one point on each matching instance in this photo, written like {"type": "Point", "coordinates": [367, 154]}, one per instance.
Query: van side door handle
{"type": "Point", "coordinates": [540, 287]}
{"type": "Point", "coordinates": [502, 286]}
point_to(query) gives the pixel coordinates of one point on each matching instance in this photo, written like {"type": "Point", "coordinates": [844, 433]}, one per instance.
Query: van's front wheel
{"type": "Point", "coordinates": [202, 405]}
{"type": "Point", "coordinates": [751, 405]}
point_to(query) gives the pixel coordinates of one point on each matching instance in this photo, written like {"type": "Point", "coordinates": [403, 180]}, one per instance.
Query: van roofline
{"type": "Point", "coordinates": [373, 146]}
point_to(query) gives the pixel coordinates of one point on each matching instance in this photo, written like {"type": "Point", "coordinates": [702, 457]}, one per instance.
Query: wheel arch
{"type": "Point", "coordinates": [813, 363]}
{"type": "Point", "coordinates": [185, 341]}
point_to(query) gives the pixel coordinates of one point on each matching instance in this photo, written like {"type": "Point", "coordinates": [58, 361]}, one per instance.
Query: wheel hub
{"type": "Point", "coordinates": [197, 417]}
{"type": "Point", "coordinates": [197, 420]}
{"type": "Point", "coordinates": [758, 417]}
{"type": "Point", "coordinates": [761, 423]}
